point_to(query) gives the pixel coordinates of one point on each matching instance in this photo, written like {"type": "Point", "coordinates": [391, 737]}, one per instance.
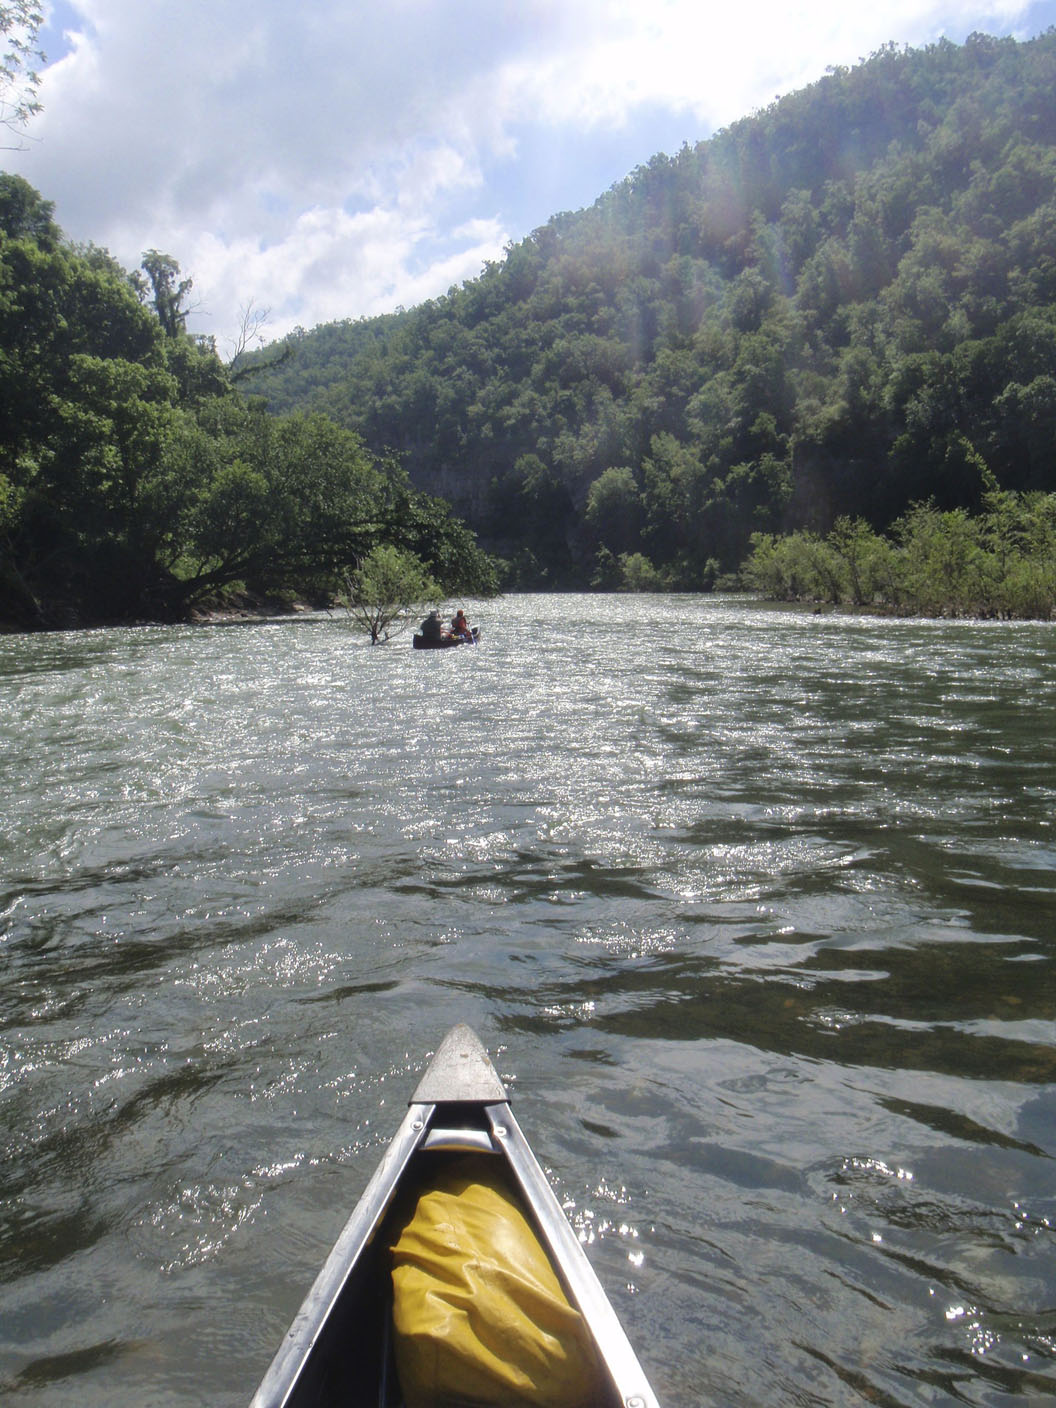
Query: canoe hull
{"type": "Point", "coordinates": [338, 1349]}
{"type": "Point", "coordinates": [421, 642]}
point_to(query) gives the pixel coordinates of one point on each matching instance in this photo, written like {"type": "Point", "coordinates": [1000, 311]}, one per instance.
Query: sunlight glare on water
{"type": "Point", "coordinates": [751, 907]}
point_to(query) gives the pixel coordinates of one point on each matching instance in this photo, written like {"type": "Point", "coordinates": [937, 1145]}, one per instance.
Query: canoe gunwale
{"type": "Point", "coordinates": [571, 1263]}
{"type": "Point", "coordinates": [280, 1383]}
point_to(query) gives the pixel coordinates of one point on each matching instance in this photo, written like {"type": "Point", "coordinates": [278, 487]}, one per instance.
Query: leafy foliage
{"type": "Point", "coordinates": [136, 483]}
{"type": "Point", "coordinates": [383, 588]}
{"type": "Point", "coordinates": [1000, 562]}
{"type": "Point", "coordinates": [833, 309]}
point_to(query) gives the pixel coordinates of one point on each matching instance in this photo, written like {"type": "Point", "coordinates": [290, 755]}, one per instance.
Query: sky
{"type": "Point", "coordinates": [342, 158]}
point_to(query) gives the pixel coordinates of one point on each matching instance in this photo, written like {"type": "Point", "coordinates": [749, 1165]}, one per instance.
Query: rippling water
{"type": "Point", "coordinates": [753, 908]}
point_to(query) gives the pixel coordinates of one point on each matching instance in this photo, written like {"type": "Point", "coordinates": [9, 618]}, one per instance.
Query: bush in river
{"type": "Point", "coordinates": [999, 563]}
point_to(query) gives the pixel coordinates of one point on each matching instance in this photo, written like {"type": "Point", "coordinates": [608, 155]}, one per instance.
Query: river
{"type": "Point", "coordinates": [753, 908]}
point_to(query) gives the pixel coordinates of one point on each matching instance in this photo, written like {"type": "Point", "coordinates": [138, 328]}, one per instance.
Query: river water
{"type": "Point", "coordinates": [753, 908]}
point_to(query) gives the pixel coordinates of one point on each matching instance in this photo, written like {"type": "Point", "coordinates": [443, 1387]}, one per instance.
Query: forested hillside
{"type": "Point", "coordinates": [839, 306]}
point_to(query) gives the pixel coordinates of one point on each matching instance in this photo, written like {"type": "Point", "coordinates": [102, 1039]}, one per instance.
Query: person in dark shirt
{"type": "Point", "coordinates": [431, 627]}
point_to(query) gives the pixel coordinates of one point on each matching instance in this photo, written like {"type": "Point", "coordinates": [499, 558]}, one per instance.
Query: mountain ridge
{"type": "Point", "coordinates": [838, 305]}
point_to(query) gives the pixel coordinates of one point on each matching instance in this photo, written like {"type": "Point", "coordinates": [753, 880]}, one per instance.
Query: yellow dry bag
{"type": "Point", "coordinates": [479, 1316]}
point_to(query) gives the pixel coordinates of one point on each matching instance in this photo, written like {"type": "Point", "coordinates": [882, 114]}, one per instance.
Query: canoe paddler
{"type": "Point", "coordinates": [431, 628]}
{"type": "Point", "coordinates": [460, 626]}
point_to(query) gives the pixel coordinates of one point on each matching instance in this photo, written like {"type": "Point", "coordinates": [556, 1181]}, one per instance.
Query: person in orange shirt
{"type": "Point", "coordinates": [460, 626]}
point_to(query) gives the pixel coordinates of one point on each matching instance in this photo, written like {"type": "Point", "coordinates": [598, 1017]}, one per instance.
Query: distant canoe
{"type": "Point", "coordinates": [445, 642]}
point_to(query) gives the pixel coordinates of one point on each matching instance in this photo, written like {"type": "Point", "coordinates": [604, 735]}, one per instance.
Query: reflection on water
{"type": "Point", "coordinates": [752, 908]}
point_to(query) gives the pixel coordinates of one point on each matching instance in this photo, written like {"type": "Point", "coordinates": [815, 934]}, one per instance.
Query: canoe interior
{"type": "Point", "coordinates": [351, 1363]}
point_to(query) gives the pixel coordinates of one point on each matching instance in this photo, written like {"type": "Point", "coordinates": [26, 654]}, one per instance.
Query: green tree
{"type": "Point", "coordinates": [607, 575]}
{"type": "Point", "coordinates": [532, 507]}
{"type": "Point", "coordinates": [276, 504]}
{"type": "Point", "coordinates": [865, 558]}
{"type": "Point", "coordinates": [614, 509]}
{"type": "Point", "coordinates": [383, 588]}
{"type": "Point", "coordinates": [425, 525]}
{"type": "Point", "coordinates": [779, 568]}
{"type": "Point", "coordinates": [638, 574]}
{"type": "Point", "coordinates": [166, 290]}
{"type": "Point", "coordinates": [798, 567]}
{"type": "Point", "coordinates": [999, 562]}
{"type": "Point", "coordinates": [942, 561]}
{"type": "Point", "coordinates": [86, 412]}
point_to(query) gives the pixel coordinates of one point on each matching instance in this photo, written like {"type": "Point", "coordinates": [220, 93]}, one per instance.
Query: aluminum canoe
{"type": "Point", "coordinates": [338, 1349]}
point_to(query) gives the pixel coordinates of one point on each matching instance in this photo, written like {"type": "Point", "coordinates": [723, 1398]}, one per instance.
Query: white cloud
{"type": "Point", "coordinates": [332, 265]}
{"type": "Point", "coordinates": [335, 159]}
{"type": "Point", "coordinates": [721, 62]}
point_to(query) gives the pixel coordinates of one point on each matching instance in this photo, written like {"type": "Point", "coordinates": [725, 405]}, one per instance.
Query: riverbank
{"type": "Point", "coordinates": [247, 607]}
{"type": "Point", "coordinates": [233, 608]}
